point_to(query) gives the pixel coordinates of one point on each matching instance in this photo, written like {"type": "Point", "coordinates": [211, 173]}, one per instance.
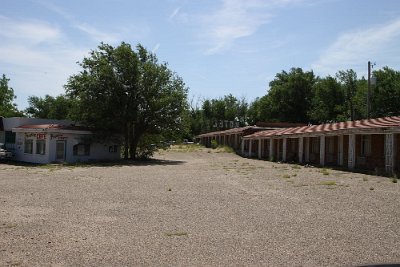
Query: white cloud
{"type": "Point", "coordinates": [155, 48]}
{"type": "Point", "coordinates": [237, 19]}
{"type": "Point", "coordinates": [354, 48]}
{"type": "Point", "coordinates": [29, 31]}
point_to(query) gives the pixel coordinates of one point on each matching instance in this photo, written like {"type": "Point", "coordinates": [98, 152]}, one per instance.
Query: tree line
{"type": "Point", "coordinates": [302, 97]}
{"type": "Point", "coordinates": [126, 91]}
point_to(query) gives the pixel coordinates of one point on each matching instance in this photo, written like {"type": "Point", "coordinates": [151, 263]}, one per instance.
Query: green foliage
{"type": "Point", "coordinates": [49, 107]}
{"type": "Point", "coordinates": [327, 101]}
{"type": "Point", "coordinates": [7, 107]}
{"type": "Point", "coordinates": [289, 97]}
{"type": "Point", "coordinates": [214, 144]}
{"type": "Point", "coordinates": [385, 99]}
{"type": "Point", "coordinates": [128, 92]}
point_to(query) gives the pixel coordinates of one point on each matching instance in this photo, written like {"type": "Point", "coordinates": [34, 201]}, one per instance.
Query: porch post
{"type": "Point", "coordinates": [259, 148]}
{"type": "Point", "coordinates": [322, 150]}
{"type": "Point", "coordinates": [250, 147]}
{"type": "Point", "coordinates": [271, 149]}
{"type": "Point", "coordinates": [284, 152]}
{"type": "Point", "coordinates": [307, 152]}
{"type": "Point", "coordinates": [389, 153]}
{"type": "Point", "coordinates": [236, 142]}
{"type": "Point", "coordinates": [301, 143]}
{"type": "Point", "coordinates": [340, 150]}
{"type": "Point", "coordinates": [352, 151]}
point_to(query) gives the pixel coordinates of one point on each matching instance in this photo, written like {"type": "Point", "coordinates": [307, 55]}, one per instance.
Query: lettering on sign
{"type": "Point", "coordinates": [58, 137]}
{"type": "Point", "coordinates": [41, 136]}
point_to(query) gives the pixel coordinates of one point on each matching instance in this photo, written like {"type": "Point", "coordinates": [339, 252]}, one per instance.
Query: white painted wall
{"type": "Point", "coordinates": [97, 151]}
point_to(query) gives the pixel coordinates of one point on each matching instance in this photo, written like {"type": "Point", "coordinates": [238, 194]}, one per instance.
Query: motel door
{"type": "Point", "coordinates": [60, 151]}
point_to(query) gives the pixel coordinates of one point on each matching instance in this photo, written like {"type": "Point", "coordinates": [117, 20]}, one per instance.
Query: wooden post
{"type": "Point", "coordinates": [389, 153]}
{"type": "Point", "coordinates": [271, 149]}
{"type": "Point", "coordinates": [322, 150]}
{"type": "Point", "coordinates": [301, 144]}
{"type": "Point", "coordinates": [352, 151]}
{"type": "Point", "coordinates": [340, 150]}
{"type": "Point", "coordinates": [250, 147]}
{"type": "Point", "coordinates": [284, 149]}
{"type": "Point", "coordinates": [307, 148]}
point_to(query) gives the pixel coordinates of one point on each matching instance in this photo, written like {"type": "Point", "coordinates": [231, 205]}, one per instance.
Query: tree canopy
{"type": "Point", "coordinates": [127, 91]}
{"type": "Point", "coordinates": [7, 106]}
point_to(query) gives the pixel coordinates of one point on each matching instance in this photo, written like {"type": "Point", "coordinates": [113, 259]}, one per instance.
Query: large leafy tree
{"type": "Point", "coordinates": [289, 97]}
{"type": "Point", "coordinates": [7, 106]}
{"type": "Point", "coordinates": [49, 107]}
{"type": "Point", "coordinates": [349, 82]}
{"type": "Point", "coordinates": [327, 102]}
{"type": "Point", "coordinates": [128, 92]}
{"type": "Point", "coordinates": [385, 100]}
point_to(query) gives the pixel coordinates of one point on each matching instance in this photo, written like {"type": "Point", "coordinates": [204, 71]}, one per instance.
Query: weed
{"type": "Point", "coordinates": [327, 183]}
{"type": "Point", "coordinates": [286, 176]}
{"type": "Point", "coordinates": [394, 180]}
{"type": "Point", "coordinates": [294, 174]}
{"type": "Point", "coordinates": [325, 171]}
{"type": "Point", "coordinates": [296, 167]}
{"type": "Point", "coordinates": [176, 234]}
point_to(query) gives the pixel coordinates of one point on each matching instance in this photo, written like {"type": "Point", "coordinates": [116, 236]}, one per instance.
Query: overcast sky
{"type": "Point", "coordinates": [217, 47]}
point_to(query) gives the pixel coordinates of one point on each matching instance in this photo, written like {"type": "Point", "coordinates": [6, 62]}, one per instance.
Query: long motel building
{"type": "Point", "coordinates": [370, 144]}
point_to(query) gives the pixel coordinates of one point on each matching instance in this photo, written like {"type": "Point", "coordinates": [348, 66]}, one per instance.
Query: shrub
{"type": "Point", "coordinates": [214, 144]}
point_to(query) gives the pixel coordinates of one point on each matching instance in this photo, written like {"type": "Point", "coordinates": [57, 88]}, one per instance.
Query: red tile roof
{"type": "Point", "coordinates": [55, 126]}
{"type": "Point", "coordinates": [370, 124]}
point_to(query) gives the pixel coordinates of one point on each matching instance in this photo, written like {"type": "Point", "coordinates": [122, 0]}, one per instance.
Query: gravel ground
{"type": "Point", "coordinates": [197, 208]}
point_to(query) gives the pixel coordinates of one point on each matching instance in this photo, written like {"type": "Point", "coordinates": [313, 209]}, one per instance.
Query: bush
{"type": "Point", "coordinates": [214, 144]}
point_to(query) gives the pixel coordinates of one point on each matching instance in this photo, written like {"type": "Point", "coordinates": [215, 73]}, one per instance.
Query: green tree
{"type": "Point", "coordinates": [289, 96]}
{"type": "Point", "coordinates": [328, 101]}
{"type": "Point", "coordinates": [128, 92]}
{"type": "Point", "coordinates": [7, 107]}
{"type": "Point", "coordinates": [385, 99]}
{"type": "Point", "coordinates": [348, 80]}
{"type": "Point", "coordinates": [49, 107]}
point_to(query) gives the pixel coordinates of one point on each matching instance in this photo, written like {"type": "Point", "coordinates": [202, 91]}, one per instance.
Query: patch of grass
{"type": "Point", "coordinates": [176, 234]}
{"type": "Point", "coordinates": [8, 225]}
{"type": "Point", "coordinates": [324, 171]}
{"type": "Point", "coordinates": [294, 174]}
{"type": "Point", "coordinates": [327, 183]}
{"type": "Point", "coordinates": [394, 180]}
{"type": "Point", "coordinates": [365, 179]}
{"type": "Point", "coordinates": [286, 176]}
{"type": "Point", "coordinates": [297, 167]}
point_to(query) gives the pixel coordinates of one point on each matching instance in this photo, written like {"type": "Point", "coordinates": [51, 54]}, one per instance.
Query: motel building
{"type": "Point", "coordinates": [372, 144]}
{"type": "Point", "coordinates": [53, 141]}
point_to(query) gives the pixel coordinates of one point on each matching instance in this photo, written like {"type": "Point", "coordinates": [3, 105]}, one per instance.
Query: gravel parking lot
{"type": "Point", "coordinates": [196, 208]}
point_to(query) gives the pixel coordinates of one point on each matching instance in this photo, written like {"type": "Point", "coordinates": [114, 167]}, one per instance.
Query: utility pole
{"type": "Point", "coordinates": [369, 89]}
{"type": "Point", "coordinates": [370, 66]}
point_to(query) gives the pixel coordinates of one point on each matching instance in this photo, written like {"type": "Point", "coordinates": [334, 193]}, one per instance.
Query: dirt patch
{"type": "Point", "coordinates": [196, 207]}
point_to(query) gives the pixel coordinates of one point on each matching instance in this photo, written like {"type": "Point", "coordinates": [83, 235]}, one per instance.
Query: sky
{"type": "Point", "coordinates": [218, 47]}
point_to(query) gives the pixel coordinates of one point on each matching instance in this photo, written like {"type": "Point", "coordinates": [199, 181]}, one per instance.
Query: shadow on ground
{"type": "Point", "coordinates": [121, 163]}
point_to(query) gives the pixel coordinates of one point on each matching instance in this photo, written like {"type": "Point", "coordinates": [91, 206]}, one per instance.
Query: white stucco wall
{"type": "Point", "coordinates": [97, 151]}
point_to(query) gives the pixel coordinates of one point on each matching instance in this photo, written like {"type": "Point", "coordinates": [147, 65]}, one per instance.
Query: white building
{"type": "Point", "coordinates": [54, 141]}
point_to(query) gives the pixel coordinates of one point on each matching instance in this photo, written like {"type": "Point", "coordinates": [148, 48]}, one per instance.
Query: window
{"type": "Point", "coordinates": [10, 137]}
{"type": "Point", "coordinates": [81, 150]}
{"type": "Point", "coordinates": [365, 145]}
{"type": "Point", "coordinates": [113, 149]}
{"type": "Point", "coordinates": [28, 146]}
{"type": "Point", "coordinates": [41, 147]}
